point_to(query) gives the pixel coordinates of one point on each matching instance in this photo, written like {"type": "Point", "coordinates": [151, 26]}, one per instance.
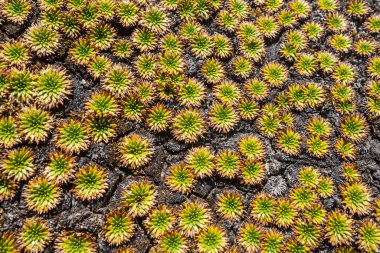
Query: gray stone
{"type": "Point", "coordinates": [276, 186]}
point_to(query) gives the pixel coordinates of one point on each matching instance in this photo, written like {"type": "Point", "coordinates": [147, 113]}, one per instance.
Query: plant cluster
{"type": "Point", "coordinates": [158, 66]}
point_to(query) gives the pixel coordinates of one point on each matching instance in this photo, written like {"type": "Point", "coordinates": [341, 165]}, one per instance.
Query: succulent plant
{"type": "Point", "coordinates": [72, 136]}
{"type": "Point", "coordinates": [289, 142]}
{"type": "Point", "coordinates": [212, 239]}
{"type": "Point", "coordinates": [302, 197]}
{"type": "Point", "coordinates": [160, 221]}
{"type": "Point", "coordinates": [122, 49]}
{"type": "Point", "coordinates": [180, 178]}
{"type": "Point", "coordinates": [52, 18]}
{"type": "Point", "coordinates": [287, 18]}
{"type": "Point", "coordinates": [319, 126]}
{"type": "Point", "coordinates": [106, 9]}
{"type": "Point", "coordinates": [17, 10]}
{"type": "Point", "coordinates": [227, 163]}
{"type": "Point", "coordinates": [373, 23]}
{"type": "Point", "coordinates": [305, 64]}
{"type": "Point", "coordinates": [9, 133]}
{"type": "Point", "coordinates": [173, 242]}
{"type": "Point", "coordinates": [357, 8]}
{"type": "Point", "coordinates": [227, 92]}
{"type": "Point", "coordinates": [222, 45]}
{"type": "Point", "coordinates": [72, 241]}
{"type": "Point", "coordinates": [308, 233]}
{"type": "Point", "coordinates": [200, 161]}
{"type": "Point", "coordinates": [374, 68]}
{"type": "Point", "coordinates": [351, 172]}
{"type": "Point", "coordinates": [285, 213]}
{"type": "Point", "coordinates": [15, 53]}
{"type": "Point", "coordinates": [127, 13]}
{"type": "Point", "coordinates": [41, 195]}
{"type": "Point", "coordinates": [82, 51]}
{"type": "Point", "coordinates": [135, 151]}
{"type": "Point", "coordinates": [102, 104]}
{"type": "Point", "coordinates": [189, 29]}
{"type": "Point", "coordinates": [269, 125]}
{"type": "Point", "coordinates": [250, 237]}
{"type": "Point", "coordinates": [230, 205]}
{"type": "Point", "coordinates": [70, 25]}
{"type": "Point", "coordinates": [102, 36]}
{"type": "Point", "coordinates": [139, 198]}
{"type": "Point", "coordinates": [223, 117]}
{"type": "Point", "coordinates": [158, 118]}
{"type": "Point", "coordinates": [118, 80]}
{"type": "Point", "coordinates": [263, 208]}
{"type": "Point", "coordinates": [213, 71]}
{"type": "Point", "coordinates": [345, 149]}
{"type": "Point", "coordinates": [90, 183]}
{"type": "Point", "coordinates": [309, 176]}
{"type": "Point", "coordinates": [98, 66]}
{"type": "Point", "coordinates": [21, 85]}
{"type": "Point", "coordinates": [354, 127]}
{"type": "Point", "coordinates": [118, 227]}
{"type": "Point", "coordinates": [171, 43]}
{"type": "Point", "coordinates": [101, 128]}
{"type": "Point", "coordinates": [18, 164]}
{"type": "Point", "coordinates": [133, 108]}
{"type": "Point", "coordinates": [202, 45]}
{"type": "Point", "coordinates": [7, 189]}
{"type": "Point", "coordinates": [313, 30]}
{"type": "Point", "coordinates": [35, 235]}
{"type": "Point", "coordinates": [343, 73]}
{"type": "Point", "coordinates": [53, 86]}
{"type": "Point", "coordinates": [155, 19]}
{"type": "Point", "coordinates": [336, 22]}
{"type": "Point", "coordinates": [171, 63]}
{"type": "Point", "coordinates": [75, 4]}
{"type": "Point", "coordinates": [193, 216]}
{"type": "Point", "coordinates": [251, 147]}
{"type": "Point", "coordinates": [226, 20]}
{"type": "Point", "coordinates": [188, 126]}
{"type": "Point", "coordinates": [293, 246]}
{"type": "Point", "coordinates": [247, 30]}
{"type": "Point", "coordinates": [191, 93]}
{"type": "Point", "coordinates": [8, 243]}
{"type": "Point", "coordinates": [60, 168]}
{"type": "Point", "coordinates": [369, 236]}
{"type": "Point", "coordinates": [339, 229]}
{"type": "Point", "coordinates": [328, 5]}
{"type": "Point", "coordinates": [297, 39]}
{"type": "Point", "coordinates": [145, 65]}
{"type": "Point", "coordinates": [35, 124]}
{"type": "Point", "coordinates": [274, 73]}
{"type": "Point", "coordinates": [42, 40]}
{"type": "Point", "coordinates": [325, 187]}
{"type": "Point", "coordinates": [272, 241]}
{"type": "Point", "coordinates": [326, 61]}
{"type": "Point", "coordinates": [252, 172]}
{"type": "Point", "coordinates": [356, 198]}
{"type": "Point", "coordinates": [365, 47]}
{"type": "Point", "coordinates": [136, 65]}
{"type": "Point", "coordinates": [241, 66]}
{"type": "Point", "coordinates": [268, 26]}
{"type": "Point", "coordinates": [316, 214]}
{"type": "Point", "coordinates": [146, 92]}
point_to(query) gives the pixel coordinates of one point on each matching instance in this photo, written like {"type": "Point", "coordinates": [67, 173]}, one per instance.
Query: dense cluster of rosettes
{"type": "Point", "coordinates": [160, 66]}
